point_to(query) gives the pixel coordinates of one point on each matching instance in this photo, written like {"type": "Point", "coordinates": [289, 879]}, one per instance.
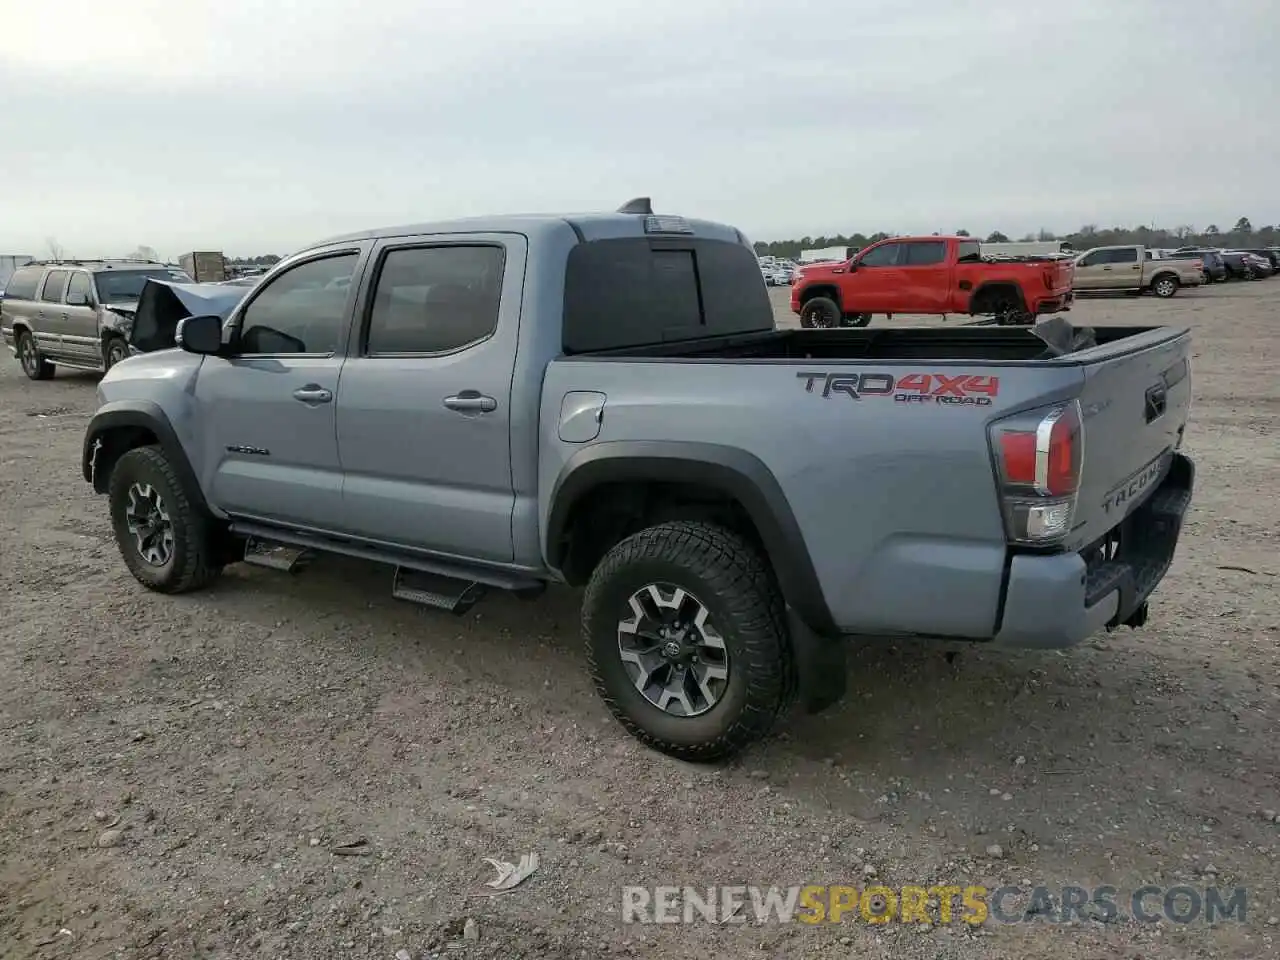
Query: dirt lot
{"type": "Point", "coordinates": [222, 744]}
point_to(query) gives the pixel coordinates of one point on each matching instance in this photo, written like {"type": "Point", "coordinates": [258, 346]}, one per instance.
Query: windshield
{"type": "Point", "coordinates": [117, 285]}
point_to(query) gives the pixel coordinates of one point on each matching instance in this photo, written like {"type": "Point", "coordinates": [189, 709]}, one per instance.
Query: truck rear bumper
{"type": "Point", "coordinates": [1059, 600]}
{"type": "Point", "coordinates": [1054, 304]}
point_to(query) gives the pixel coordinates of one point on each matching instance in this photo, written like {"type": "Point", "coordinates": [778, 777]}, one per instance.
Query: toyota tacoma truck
{"type": "Point", "coordinates": [931, 275]}
{"type": "Point", "coordinates": [604, 401]}
{"type": "Point", "coordinates": [1134, 268]}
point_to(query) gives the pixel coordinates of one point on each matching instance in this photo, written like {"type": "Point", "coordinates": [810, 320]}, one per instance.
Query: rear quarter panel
{"type": "Point", "coordinates": [895, 497]}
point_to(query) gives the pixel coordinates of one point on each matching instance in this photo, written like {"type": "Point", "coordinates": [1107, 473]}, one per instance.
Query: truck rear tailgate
{"type": "Point", "coordinates": [1134, 405]}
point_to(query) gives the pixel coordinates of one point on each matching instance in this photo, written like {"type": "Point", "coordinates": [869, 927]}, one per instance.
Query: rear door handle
{"type": "Point", "coordinates": [471, 401]}
{"type": "Point", "coordinates": [313, 393]}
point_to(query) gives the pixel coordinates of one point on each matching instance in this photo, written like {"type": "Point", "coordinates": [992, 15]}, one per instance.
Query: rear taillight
{"type": "Point", "coordinates": [1039, 456]}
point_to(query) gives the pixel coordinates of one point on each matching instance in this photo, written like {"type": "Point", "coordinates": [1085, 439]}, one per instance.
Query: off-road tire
{"type": "Point", "coordinates": [114, 349]}
{"type": "Point", "coordinates": [198, 549]}
{"type": "Point", "coordinates": [821, 313]}
{"type": "Point", "coordinates": [1165, 287]}
{"type": "Point", "coordinates": [37, 367]}
{"type": "Point", "coordinates": [733, 582]}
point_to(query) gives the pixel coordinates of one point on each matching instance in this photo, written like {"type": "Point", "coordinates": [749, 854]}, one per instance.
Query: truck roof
{"type": "Point", "coordinates": [587, 226]}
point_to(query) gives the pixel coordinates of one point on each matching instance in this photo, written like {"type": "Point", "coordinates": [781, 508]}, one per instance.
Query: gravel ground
{"type": "Point", "coordinates": [176, 773]}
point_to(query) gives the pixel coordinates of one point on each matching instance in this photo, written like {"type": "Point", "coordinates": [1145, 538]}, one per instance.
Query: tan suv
{"type": "Point", "coordinates": [1134, 268]}
{"type": "Point", "coordinates": [59, 312]}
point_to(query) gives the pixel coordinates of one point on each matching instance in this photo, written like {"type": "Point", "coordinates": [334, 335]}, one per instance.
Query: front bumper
{"type": "Point", "coordinates": [1058, 600]}
{"type": "Point", "coordinates": [6, 337]}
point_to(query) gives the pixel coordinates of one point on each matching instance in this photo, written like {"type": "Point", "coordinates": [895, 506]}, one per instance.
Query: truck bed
{"type": "Point", "coordinates": [966, 344]}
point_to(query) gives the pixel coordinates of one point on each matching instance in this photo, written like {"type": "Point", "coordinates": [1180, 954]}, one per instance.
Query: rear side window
{"type": "Point", "coordinates": [633, 292]}
{"type": "Point", "coordinates": [24, 283]}
{"type": "Point", "coordinates": [926, 253]}
{"type": "Point", "coordinates": [54, 284]}
{"type": "Point", "coordinates": [1124, 255]}
{"type": "Point", "coordinates": [435, 299]}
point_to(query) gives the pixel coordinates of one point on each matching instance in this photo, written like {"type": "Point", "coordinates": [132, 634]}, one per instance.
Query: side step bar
{"type": "Point", "coordinates": [432, 590]}
{"type": "Point", "coordinates": [276, 556]}
{"type": "Point", "coordinates": [441, 584]}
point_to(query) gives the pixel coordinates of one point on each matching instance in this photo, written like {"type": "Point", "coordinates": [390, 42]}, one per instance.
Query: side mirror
{"type": "Point", "coordinates": [202, 334]}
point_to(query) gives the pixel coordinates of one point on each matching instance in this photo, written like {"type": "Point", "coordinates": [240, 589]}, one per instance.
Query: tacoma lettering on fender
{"type": "Point", "coordinates": [604, 401]}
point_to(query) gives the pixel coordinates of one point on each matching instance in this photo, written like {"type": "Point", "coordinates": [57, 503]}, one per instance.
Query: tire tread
{"type": "Point", "coordinates": [744, 585]}
{"type": "Point", "coordinates": [199, 565]}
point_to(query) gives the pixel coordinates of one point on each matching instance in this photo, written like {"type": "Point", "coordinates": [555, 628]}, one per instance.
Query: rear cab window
{"type": "Point", "coordinates": [642, 291]}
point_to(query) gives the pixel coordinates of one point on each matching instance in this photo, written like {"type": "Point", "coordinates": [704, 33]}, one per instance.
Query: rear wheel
{"type": "Point", "coordinates": [34, 365]}
{"type": "Point", "coordinates": [686, 640]}
{"type": "Point", "coordinates": [1165, 287]}
{"type": "Point", "coordinates": [820, 312]}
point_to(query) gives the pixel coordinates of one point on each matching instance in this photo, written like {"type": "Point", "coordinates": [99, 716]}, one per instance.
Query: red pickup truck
{"type": "Point", "coordinates": [937, 275]}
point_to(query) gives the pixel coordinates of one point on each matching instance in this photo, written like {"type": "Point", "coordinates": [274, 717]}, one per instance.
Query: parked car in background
{"type": "Point", "coordinates": [62, 312]}
{"type": "Point", "coordinates": [1212, 265]}
{"type": "Point", "coordinates": [1259, 267]}
{"type": "Point", "coordinates": [1269, 254]}
{"type": "Point", "coordinates": [930, 275]}
{"type": "Point", "coordinates": [1237, 264]}
{"type": "Point", "coordinates": [1132, 267]}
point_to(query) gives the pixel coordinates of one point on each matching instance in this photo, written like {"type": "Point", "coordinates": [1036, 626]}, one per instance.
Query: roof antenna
{"type": "Point", "coordinates": [641, 205]}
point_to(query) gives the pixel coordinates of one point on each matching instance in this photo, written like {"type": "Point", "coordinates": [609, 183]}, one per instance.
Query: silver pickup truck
{"type": "Point", "coordinates": [603, 400]}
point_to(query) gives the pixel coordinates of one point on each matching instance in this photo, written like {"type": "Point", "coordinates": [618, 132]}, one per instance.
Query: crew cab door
{"type": "Point", "coordinates": [925, 276]}
{"type": "Point", "coordinates": [81, 338]}
{"type": "Point", "coordinates": [424, 407]}
{"type": "Point", "coordinates": [267, 412]}
{"type": "Point", "coordinates": [874, 280]}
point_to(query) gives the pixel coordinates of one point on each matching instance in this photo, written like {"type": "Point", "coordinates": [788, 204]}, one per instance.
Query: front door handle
{"type": "Point", "coordinates": [471, 401]}
{"type": "Point", "coordinates": [313, 393]}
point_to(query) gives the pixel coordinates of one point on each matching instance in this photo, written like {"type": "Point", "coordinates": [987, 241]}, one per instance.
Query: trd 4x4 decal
{"type": "Point", "coordinates": [946, 388]}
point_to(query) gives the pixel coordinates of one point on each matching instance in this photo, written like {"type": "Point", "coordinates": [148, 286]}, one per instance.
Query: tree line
{"type": "Point", "coordinates": [1242, 234]}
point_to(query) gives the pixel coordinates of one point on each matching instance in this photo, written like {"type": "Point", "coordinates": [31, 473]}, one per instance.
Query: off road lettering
{"type": "Point", "coordinates": [966, 389]}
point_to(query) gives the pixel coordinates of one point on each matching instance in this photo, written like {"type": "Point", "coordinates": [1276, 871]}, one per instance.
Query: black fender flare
{"type": "Point", "coordinates": [820, 288]}
{"type": "Point", "coordinates": [149, 416]}
{"type": "Point", "coordinates": [817, 647]}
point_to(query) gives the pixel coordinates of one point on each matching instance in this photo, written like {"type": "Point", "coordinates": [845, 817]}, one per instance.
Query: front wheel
{"type": "Point", "coordinates": [686, 640]}
{"type": "Point", "coordinates": [820, 312]}
{"type": "Point", "coordinates": [167, 542]}
{"type": "Point", "coordinates": [115, 350]}
{"type": "Point", "coordinates": [1165, 287]}
{"type": "Point", "coordinates": [34, 366]}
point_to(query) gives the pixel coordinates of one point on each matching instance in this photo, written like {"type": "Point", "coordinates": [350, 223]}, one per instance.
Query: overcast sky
{"type": "Point", "coordinates": [254, 128]}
